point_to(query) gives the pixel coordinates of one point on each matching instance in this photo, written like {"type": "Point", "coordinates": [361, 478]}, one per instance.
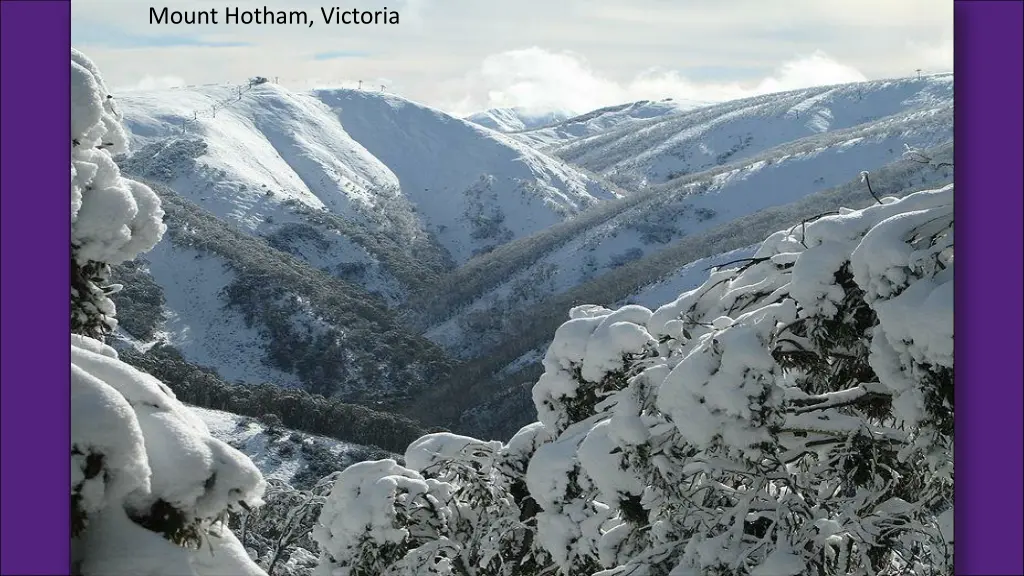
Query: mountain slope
{"type": "Point", "coordinates": [661, 150]}
{"type": "Point", "coordinates": [516, 119]}
{"type": "Point", "coordinates": [620, 116]}
{"type": "Point", "coordinates": [474, 189]}
{"type": "Point", "coordinates": [279, 453]}
{"type": "Point", "coordinates": [261, 148]}
{"type": "Point", "coordinates": [653, 219]}
{"type": "Point", "coordinates": [363, 156]}
{"type": "Point", "coordinates": [233, 303]}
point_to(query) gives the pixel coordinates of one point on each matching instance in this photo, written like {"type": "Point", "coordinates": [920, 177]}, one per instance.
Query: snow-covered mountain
{"type": "Point", "coordinates": [473, 189]}
{"type": "Point", "coordinates": [517, 119]}
{"type": "Point", "coordinates": [675, 145]}
{"type": "Point", "coordinates": [783, 162]}
{"type": "Point", "coordinates": [438, 232]}
{"type": "Point", "coordinates": [299, 221]}
{"type": "Point", "coordinates": [603, 120]}
{"type": "Point", "coordinates": [356, 155]}
{"type": "Point", "coordinates": [502, 327]}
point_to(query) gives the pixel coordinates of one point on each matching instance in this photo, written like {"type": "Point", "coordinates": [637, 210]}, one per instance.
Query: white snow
{"type": "Point", "coordinates": [134, 447]}
{"type": "Point", "coordinates": [599, 121]}
{"type": "Point", "coordinates": [433, 448]}
{"type": "Point", "coordinates": [685, 279]}
{"type": "Point", "coordinates": [781, 562]}
{"type": "Point", "coordinates": [517, 119]}
{"type": "Point", "coordinates": [342, 149]}
{"type": "Point", "coordinates": [155, 449]}
{"type": "Point", "coordinates": [199, 325]}
{"type": "Point", "coordinates": [224, 556]}
{"type": "Point", "coordinates": [111, 429]}
{"type": "Point", "coordinates": [251, 438]}
{"type": "Point", "coordinates": [636, 156]}
{"type": "Point", "coordinates": [595, 341]}
{"type": "Point", "coordinates": [365, 500]}
{"type": "Point", "coordinates": [599, 456]}
{"type": "Point", "coordinates": [662, 434]}
{"type": "Point", "coordinates": [112, 218]}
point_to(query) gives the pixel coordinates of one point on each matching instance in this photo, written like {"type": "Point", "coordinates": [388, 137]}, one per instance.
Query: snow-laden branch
{"type": "Point", "coordinates": [150, 487]}
{"type": "Point", "coordinates": [790, 416]}
{"type": "Point", "coordinates": [838, 399]}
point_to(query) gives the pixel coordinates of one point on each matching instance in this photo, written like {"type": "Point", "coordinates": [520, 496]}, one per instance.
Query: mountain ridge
{"type": "Point", "coordinates": [368, 200]}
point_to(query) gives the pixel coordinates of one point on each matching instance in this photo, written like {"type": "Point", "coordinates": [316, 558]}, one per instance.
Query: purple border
{"type": "Point", "coordinates": [34, 42]}
{"type": "Point", "coordinates": [989, 316]}
{"type": "Point", "coordinates": [34, 322]}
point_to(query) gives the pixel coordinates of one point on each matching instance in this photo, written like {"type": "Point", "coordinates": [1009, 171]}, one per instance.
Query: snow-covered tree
{"type": "Point", "coordinates": [800, 417]}
{"type": "Point", "coordinates": [150, 487]}
{"type": "Point", "coordinates": [792, 415]}
{"type": "Point", "coordinates": [459, 507]}
{"type": "Point", "coordinates": [280, 531]}
{"type": "Point", "coordinates": [112, 218]}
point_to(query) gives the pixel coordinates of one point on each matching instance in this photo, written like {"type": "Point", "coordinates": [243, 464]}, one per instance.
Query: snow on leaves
{"type": "Point", "coordinates": [151, 484]}
{"type": "Point", "coordinates": [792, 415]}
{"type": "Point", "coordinates": [112, 218]}
{"type": "Point", "coordinates": [150, 487]}
{"type": "Point", "coordinates": [463, 510]}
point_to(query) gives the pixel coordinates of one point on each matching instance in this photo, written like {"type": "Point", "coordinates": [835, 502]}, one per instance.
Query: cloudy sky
{"type": "Point", "coordinates": [468, 55]}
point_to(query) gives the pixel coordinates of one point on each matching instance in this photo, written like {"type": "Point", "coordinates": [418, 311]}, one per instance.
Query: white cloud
{"type": "Point", "coordinates": [541, 80]}
{"type": "Point", "coordinates": [933, 57]}
{"type": "Point", "coordinates": [594, 51]}
{"type": "Point", "coordinates": [153, 83]}
{"type": "Point", "coordinates": [814, 70]}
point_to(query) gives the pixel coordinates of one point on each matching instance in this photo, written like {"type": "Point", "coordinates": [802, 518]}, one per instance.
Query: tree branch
{"type": "Point", "coordinates": [849, 397]}
{"type": "Point", "coordinates": [864, 177]}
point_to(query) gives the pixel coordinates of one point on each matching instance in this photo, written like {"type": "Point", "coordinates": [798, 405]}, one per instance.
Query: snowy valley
{"type": "Point", "coordinates": [399, 227]}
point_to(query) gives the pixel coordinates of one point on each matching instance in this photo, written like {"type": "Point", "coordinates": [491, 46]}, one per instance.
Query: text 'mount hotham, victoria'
{"type": "Point", "coordinates": [264, 15]}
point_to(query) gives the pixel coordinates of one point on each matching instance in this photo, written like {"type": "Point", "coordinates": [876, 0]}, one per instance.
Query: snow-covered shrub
{"type": "Point", "coordinates": [793, 415]}
{"type": "Point", "coordinates": [280, 531]}
{"type": "Point", "coordinates": [112, 218]}
{"type": "Point", "coordinates": [789, 424]}
{"type": "Point", "coordinates": [458, 508]}
{"type": "Point", "coordinates": [150, 487]}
